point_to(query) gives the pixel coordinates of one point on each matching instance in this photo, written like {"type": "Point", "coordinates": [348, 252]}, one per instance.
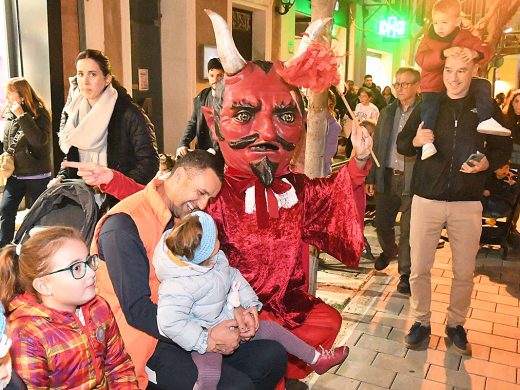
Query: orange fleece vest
{"type": "Point", "coordinates": [151, 215]}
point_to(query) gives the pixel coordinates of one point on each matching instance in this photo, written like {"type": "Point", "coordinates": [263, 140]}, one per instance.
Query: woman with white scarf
{"type": "Point", "coordinates": [101, 124]}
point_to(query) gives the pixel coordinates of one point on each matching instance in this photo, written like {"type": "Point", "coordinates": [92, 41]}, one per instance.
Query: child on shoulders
{"type": "Point", "coordinates": [445, 38]}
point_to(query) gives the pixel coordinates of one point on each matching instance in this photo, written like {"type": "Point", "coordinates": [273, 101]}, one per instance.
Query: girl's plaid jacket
{"type": "Point", "coordinates": [52, 349]}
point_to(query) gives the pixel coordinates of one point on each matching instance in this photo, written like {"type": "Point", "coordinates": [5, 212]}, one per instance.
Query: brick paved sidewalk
{"type": "Point", "coordinates": [377, 317]}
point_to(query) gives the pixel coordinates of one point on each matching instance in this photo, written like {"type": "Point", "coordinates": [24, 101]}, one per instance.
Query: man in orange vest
{"type": "Point", "coordinates": [126, 238]}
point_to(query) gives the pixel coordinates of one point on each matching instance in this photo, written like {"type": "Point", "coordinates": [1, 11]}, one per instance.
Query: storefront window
{"type": "Point", "coordinates": [379, 65]}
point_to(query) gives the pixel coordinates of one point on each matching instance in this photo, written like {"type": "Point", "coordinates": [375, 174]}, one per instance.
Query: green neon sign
{"type": "Point", "coordinates": [392, 27]}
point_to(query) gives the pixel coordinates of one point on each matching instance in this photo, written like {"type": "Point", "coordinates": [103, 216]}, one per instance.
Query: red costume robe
{"type": "Point", "coordinates": [274, 260]}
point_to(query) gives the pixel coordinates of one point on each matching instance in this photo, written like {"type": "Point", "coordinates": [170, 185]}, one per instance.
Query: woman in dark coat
{"type": "Point", "coordinates": [28, 127]}
{"type": "Point", "coordinates": [101, 124]}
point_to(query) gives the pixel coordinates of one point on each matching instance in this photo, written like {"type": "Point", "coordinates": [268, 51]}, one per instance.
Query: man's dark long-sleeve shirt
{"type": "Point", "coordinates": [456, 138]}
{"type": "Point", "coordinates": [129, 269]}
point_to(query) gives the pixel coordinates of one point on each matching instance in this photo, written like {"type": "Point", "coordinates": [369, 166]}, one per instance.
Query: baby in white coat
{"type": "Point", "coordinates": [199, 289]}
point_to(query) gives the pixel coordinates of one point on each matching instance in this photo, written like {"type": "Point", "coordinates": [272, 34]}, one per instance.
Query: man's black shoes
{"type": "Point", "coordinates": [381, 262]}
{"type": "Point", "coordinates": [404, 284]}
{"type": "Point", "coordinates": [457, 335]}
{"type": "Point", "coordinates": [417, 335]}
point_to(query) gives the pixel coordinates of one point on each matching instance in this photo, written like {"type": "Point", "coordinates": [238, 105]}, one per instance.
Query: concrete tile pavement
{"type": "Point", "coordinates": [376, 318]}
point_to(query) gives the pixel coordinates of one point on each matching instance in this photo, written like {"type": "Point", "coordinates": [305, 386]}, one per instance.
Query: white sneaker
{"type": "Point", "coordinates": [492, 127]}
{"type": "Point", "coordinates": [428, 150]}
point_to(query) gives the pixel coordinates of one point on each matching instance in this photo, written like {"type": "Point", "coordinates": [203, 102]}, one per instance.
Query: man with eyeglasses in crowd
{"type": "Point", "coordinates": [390, 183]}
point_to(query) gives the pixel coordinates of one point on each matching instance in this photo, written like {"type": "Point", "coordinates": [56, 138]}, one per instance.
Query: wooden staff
{"type": "Point", "coordinates": [376, 161]}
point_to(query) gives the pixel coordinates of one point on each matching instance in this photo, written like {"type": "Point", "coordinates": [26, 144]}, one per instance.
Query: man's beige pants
{"type": "Point", "coordinates": [463, 220]}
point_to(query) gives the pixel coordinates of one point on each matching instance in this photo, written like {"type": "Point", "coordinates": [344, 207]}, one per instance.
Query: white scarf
{"type": "Point", "coordinates": [86, 127]}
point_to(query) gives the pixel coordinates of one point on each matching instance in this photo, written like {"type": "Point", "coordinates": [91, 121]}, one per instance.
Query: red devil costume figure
{"type": "Point", "coordinates": [266, 215]}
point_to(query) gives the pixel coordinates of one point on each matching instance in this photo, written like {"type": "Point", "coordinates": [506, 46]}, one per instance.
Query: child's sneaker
{"type": "Point", "coordinates": [329, 358]}
{"type": "Point", "coordinates": [428, 150]}
{"type": "Point", "coordinates": [492, 127]}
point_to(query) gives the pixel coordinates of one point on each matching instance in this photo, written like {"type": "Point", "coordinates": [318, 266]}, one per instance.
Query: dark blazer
{"type": "Point", "coordinates": [381, 148]}
{"type": "Point", "coordinates": [197, 126]}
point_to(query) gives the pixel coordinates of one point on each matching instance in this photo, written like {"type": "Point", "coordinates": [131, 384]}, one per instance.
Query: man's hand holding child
{"type": "Point", "coordinates": [224, 337]}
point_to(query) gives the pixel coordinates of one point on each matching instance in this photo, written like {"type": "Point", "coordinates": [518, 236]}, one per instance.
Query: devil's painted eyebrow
{"type": "Point", "coordinates": [244, 104]}
{"type": "Point", "coordinates": [285, 107]}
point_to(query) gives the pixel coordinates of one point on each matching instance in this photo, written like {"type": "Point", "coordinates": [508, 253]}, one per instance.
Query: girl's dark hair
{"type": "Point", "coordinates": [166, 159]}
{"type": "Point", "coordinates": [332, 97]}
{"type": "Point", "coordinates": [185, 237]}
{"type": "Point", "coordinates": [17, 273]}
{"type": "Point", "coordinates": [331, 104]}
{"type": "Point", "coordinates": [30, 98]}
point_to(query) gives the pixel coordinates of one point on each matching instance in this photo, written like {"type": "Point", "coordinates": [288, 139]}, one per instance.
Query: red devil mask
{"type": "Point", "coordinates": [260, 122]}
{"type": "Point", "coordinates": [259, 118]}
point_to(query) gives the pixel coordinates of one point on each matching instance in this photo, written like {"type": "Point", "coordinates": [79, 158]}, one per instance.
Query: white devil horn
{"type": "Point", "coordinates": [231, 60]}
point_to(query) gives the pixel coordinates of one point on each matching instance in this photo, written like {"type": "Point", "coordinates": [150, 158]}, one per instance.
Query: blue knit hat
{"type": "Point", "coordinates": [209, 236]}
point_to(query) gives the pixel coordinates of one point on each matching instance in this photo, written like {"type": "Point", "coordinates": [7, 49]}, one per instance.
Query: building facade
{"type": "Point", "coordinates": [159, 48]}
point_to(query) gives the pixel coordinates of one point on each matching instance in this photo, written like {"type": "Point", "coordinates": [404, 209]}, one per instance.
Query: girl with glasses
{"type": "Point", "coordinates": [63, 335]}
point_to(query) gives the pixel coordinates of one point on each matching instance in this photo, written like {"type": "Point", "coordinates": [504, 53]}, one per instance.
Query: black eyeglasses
{"type": "Point", "coordinates": [78, 269]}
{"type": "Point", "coordinates": [402, 85]}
